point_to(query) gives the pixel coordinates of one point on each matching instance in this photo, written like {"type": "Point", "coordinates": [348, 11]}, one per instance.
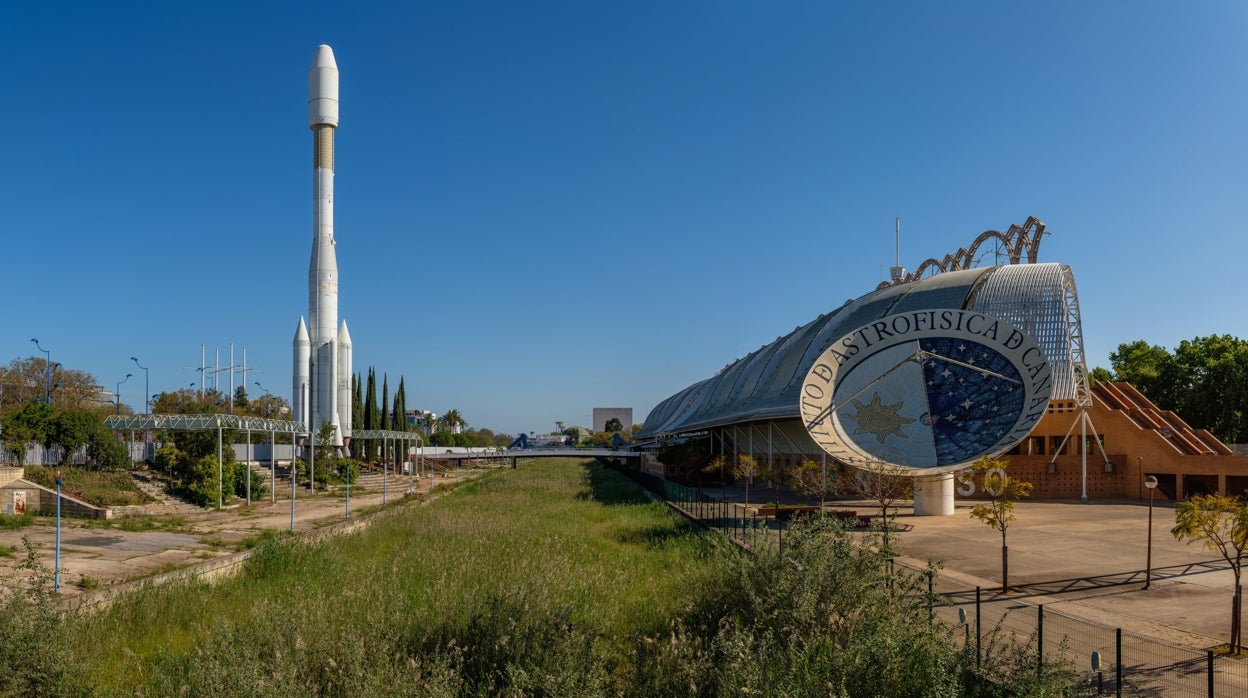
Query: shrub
{"type": "Point", "coordinates": [36, 648]}
{"type": "Point", "coordinates": [12, 523]}
{"type": "Point", "coordinates": [239, 474]}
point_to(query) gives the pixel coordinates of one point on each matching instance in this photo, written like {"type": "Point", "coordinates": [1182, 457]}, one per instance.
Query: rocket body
{"type": "Point", "coordinates": [322, 371]}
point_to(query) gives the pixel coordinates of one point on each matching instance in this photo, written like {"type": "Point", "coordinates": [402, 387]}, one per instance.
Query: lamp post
{"type": "Point", "coordinates": [1151, 483]}
{"type": "Point", "coordinates": [147, 386]}
{"type": "Point", "coordinates": [268, 403]}
{"type": "Point", "coordinates": [117, 393]}
{"type": "Point", "coordinates": [56, 581]}
{"type": "Point", "coordinates": [47, 371]}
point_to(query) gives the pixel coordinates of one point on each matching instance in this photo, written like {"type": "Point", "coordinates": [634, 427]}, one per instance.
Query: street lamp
{"type": "Point", "coordinates": [47, 371]}
{"type": "Point", "coordinates": [267, 403]}
{"type": "Point", "coordinates": [117, 393]}
{"type": "Point", "coordinates": [1151, 483]}
{"type": "Point", "coordinates": [147, 386]}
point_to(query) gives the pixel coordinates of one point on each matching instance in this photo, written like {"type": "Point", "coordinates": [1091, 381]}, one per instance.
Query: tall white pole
{"type": "Point", "coordinates": [1083, 427]}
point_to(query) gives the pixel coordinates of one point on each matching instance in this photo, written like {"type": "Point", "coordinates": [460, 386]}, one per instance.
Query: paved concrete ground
{"type": "Point", "coordinates": [1087, 560]}
{"type": "Point", "coordinates": [109, 555]}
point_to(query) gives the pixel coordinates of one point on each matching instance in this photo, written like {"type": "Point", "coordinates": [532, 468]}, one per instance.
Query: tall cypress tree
{"type": "Point", "coordinates": [370, 401]}
{"type": "Point", "coordinates": [385, 402]}
{"type": "Point", "coordinates": [400, 407]}
{"type": "Point", "coordinates": [357, 403]}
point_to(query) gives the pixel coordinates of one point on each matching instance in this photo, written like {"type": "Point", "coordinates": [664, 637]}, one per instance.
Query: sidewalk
{"type": "Point", "coordinates": [108, 555]}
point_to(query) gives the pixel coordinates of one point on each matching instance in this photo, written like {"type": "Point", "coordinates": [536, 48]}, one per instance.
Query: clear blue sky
{"type": "Point", "coordinates": [543, 207]}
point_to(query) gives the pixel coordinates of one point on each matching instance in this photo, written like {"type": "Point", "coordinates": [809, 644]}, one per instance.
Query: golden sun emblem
{"type": "Point", "coordinates": [881, 420]}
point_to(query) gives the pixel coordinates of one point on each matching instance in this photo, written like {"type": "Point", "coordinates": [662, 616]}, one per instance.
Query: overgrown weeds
{"type": "Point", "coordinates": [550, 580]}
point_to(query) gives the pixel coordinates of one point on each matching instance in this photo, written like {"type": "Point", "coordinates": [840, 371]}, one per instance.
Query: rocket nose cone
{"type": "Point", "coordinates": [324, 58]}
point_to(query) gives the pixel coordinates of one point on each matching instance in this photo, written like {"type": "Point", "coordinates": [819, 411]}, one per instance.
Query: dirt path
{"type": "Point", "coordinates": [97, 554]}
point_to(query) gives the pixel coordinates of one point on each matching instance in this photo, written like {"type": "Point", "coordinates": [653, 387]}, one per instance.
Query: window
{"type": "Point", "coordinates": [1055, 445]}
{"type": "Point", "coordinates": [1036, 445]}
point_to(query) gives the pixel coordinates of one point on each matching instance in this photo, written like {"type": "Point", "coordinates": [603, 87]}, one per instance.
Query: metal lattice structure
{"type": "Point", "coordinates": [1016, 240]}
{"type": "Point", "coordinates": [1041, 300]}
{"type": "Point", "coordinates": [202, 422]}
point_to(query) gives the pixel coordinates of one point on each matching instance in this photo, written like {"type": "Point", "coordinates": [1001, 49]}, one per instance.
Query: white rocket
{"type": "Point", "coordinates": [322, 357]}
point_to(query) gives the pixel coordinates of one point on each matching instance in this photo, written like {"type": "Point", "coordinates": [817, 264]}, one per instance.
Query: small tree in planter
{"type": "Point", "coordinates": [884, 484]}
{"type": "Point", "coordinates": [745, 469]}
{"type": "Point", "coordinates": [998, 511]}
{"type": "Point", "coordinates": [810, 479]}
{"type": "Point", "coordinates": [718, 466]}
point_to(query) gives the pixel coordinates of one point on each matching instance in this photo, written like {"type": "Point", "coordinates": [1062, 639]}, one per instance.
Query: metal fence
{"type": "Point", "coordinates": [1129, 664]}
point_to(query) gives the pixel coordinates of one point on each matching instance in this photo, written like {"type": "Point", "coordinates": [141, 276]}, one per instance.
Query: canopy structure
{"type": "Point", "coordinates": [765, 385]}
{"type": "Point", "coordinates": [208, 422]}
{"type": "Point", "coordinates": [203, 422]}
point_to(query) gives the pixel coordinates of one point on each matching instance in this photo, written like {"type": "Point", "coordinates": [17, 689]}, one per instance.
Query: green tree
{"type": "Point", "coordinates": [24, 380]}
{"type": "Point", "coordinates": [1148, 367]}
{"type": "Point", "coordinates": [371, 416]}
{"type": "Point", "coordinates": [398, 418]}
{"type": "Point", "coordinates": [1220, 523]}
{"type": "Point", "coordinates": [71, 429]}
{"type": "Point", "coordinates": [1205, 381]}
{"type": "Point", "coordinates": [998, 512]}
{"type": "Point", "coordinates": [105, 452]}
{"type": "Point", "coordinates": [614, 424]}
{"type": "Point", "coordinates": [1215, 374]}
{"type": "Point", "coordinates": [270, 406]}
{"type": "Point", "coordinates": [1100, 374]}
{"type": "Point", "coordinates": [883, 483]}
{"type": "Point", "coordinates": [453, 420]}
{"type": "Point", "coordinates": [810, 479]}
{"type": "Point", "coordinates": [718, 465]}
{"type": "Point", "coordinates": [325, 442]}
{"type": "Point", "coordinates": [241, 401]}
{"type": "Point", "coordinates": [75, 429]}
{"type": "Point", "coordinates": [357, 404]}
{"type": "Point", "coordinates": [384, 423]}
{"type": "Point", "coordinates": [745, 469]}
{"type": "Point", "coordinates": [26, 427]}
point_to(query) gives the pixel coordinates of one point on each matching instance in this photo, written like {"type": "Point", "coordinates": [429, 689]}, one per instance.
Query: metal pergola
{"type": "Point", "coordinates": [392, 441]}
{"type": "Point", "coordinates": [218, 423]}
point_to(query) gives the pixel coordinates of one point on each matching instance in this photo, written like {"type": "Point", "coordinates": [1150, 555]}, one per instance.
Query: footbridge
{"type": "Point", "coordinates": [514, 454]}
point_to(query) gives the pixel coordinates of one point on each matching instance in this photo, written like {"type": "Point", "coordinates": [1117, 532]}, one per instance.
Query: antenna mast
{"type": "Point", "coordinates": [897, 272]}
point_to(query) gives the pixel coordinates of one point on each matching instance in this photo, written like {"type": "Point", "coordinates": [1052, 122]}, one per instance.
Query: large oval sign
{"type": "Point", "coordinates": [931, 390]}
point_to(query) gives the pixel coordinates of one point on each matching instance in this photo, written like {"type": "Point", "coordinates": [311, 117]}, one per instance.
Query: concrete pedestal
{"type": "Point", "coordinates": [933, 495]}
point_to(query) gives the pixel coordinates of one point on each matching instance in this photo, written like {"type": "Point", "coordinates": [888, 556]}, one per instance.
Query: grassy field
{"type": "Point", "coordinates": [555, 579]}
{"type": "Point", "coordinates": [490, 577]}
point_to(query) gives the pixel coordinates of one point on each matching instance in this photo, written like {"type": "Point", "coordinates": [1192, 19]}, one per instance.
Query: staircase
{"type": "Point", "coordinates": [153, 485]}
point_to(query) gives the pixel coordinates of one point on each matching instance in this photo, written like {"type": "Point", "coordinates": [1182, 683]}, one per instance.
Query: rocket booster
{"type": "Point", "coordinates": [323, 267]}
{"type": "Point", "coordinates": [322, 351]}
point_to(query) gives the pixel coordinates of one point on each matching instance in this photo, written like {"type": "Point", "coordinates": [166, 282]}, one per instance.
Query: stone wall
{"type": "Point", "coordinates": [38, 498]}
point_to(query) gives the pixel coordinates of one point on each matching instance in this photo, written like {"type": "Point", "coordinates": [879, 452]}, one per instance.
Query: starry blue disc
{"type": "Point", "coordinates": [974, 396]}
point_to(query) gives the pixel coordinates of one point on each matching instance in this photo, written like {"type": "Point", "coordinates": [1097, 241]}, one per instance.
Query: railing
{"type": "Point", "coordinates": [1130, 664]}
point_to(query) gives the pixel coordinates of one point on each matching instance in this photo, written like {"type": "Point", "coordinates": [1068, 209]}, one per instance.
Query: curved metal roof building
{"type": "Point", "coordinates": [764, 385]}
